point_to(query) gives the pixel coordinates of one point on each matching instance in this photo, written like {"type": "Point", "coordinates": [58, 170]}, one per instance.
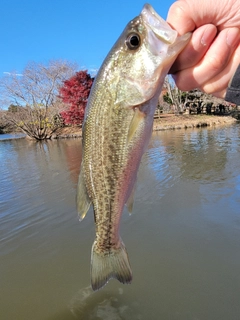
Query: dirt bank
{"type": "Point", "coordinates": [166, 122]}
{"type": "Point", "coordinates": [170, 121]}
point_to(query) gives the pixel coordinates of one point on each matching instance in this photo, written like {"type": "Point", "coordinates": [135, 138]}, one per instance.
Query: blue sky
{"type": "Point", "coordinates": [74, 30]}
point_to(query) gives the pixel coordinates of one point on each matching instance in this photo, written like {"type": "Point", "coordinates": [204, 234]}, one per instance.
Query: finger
{"type": "Point", "coordinates": [187, 15]}
{"type": "Point", "coordinates": [180, 17]}
{"type": "Point", "coordinates": [200, 41]}
{"type": "Point", "coordinates": [220, 94]}
{"type": "Point", "coordinates": [213, 63]}
{"type": "Point", "coordinates": [219, 84]}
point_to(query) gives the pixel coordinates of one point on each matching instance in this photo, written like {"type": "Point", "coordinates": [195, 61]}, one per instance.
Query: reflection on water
{"type": "Point", "coordinates": [34, 177]}
{"type": "Point", "coordinates": [183, 239]}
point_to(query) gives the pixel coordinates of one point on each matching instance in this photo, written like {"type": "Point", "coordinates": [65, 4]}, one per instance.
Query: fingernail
{"type": "Point", "coordinates": [233, 37]}
{"type": "Point", "coordinates": [208, 35]}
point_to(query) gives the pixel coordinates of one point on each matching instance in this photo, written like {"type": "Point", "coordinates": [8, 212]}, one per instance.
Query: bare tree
{"type": "Point", "coordinates": [195, 100]}
{"type": "Point", "coordinates": [33, 97]}
{"type": "Point", "coordinates": [174, 96]}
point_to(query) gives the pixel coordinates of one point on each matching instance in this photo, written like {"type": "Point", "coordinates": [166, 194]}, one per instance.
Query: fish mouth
{"type": "Point", "coordinates": [158, 25]}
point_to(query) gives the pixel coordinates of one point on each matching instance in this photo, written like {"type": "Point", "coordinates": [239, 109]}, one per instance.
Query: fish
{"type": "Point", "coordinates": [116, 130]}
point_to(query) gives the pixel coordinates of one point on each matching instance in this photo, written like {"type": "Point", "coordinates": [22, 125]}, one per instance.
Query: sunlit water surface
{"type": "Point", "coordinates": [183, 238]}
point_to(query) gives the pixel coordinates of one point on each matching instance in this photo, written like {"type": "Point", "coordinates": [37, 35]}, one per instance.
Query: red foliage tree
{"type": "Point", "coordinates": [74, 93]}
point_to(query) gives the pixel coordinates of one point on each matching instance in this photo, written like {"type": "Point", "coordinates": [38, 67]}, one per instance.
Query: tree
{"type": "Point", "coordinates": [33, 97]}
{"type": "Point", "coordinates": [74, 93]}
{"type": "Point", "coordinates": [194, 100]}
{"type": "Point", "coordinates": [174, 96]}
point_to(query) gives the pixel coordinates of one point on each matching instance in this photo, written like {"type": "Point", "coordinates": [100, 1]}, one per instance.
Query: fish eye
{"type": "Point", "coordinates": [133, 41]}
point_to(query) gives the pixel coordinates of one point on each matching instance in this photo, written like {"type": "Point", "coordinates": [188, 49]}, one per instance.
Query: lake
{"type": "Point", "coordinates": [183, 238]}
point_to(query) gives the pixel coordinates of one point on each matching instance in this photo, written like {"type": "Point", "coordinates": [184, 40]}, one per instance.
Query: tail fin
{"type": "Point", "coordinates": [107, 265]}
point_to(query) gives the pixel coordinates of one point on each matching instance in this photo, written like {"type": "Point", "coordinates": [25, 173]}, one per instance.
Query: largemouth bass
{"type": "Point", "coordinates": [116, 131]}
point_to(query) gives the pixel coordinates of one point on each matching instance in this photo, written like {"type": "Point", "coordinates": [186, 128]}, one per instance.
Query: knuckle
{"type": "Point", "coordinates": [184, 85]}
{"type": "Point", "coordinates": [211, 88]}
{"type": "Point", "coordinates": [216, 63]}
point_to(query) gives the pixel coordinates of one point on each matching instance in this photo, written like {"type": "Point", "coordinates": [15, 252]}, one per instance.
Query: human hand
{"type": "Point", "coordinates": [213, 54]}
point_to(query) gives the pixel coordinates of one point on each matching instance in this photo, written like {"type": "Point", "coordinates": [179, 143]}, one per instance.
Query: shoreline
{"type": "Point", "coordinates": [165, 122]}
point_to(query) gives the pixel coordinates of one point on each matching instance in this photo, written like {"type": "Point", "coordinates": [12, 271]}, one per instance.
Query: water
{"type": "Point", "coordinates": [183, 238]}
{"type": "Point", "coordinates": [10, 136]}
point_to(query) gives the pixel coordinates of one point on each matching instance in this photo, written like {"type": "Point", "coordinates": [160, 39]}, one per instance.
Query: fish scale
{"type": "Point", "coordinates": [117, 127]}
{"type": "Point", "coordinates": [104, 172]}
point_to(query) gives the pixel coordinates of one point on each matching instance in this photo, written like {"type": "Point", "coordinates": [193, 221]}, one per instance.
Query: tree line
{"type": "Point", "coordinates": [194, 101]}
{"type": "Point", "coordinates": [45, 97]}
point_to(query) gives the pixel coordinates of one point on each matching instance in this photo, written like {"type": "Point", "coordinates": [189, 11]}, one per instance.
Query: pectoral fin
{"type": "Point", "coordinates": [137, 120]}
{"type": "Point", "coordinates": [83, 200]}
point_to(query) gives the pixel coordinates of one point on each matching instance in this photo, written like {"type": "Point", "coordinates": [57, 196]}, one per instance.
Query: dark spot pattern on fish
{"type": "Point", "coordinates": [117, 128]}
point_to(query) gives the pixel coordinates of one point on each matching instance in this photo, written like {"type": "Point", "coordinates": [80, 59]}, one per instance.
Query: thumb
{"type": "Point", "coordinates": [180, 17]}
{"type": "Point", "coordinates": [185, 16]}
